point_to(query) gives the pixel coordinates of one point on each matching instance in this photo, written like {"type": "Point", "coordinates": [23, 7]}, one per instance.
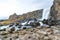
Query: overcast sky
{"type": "Point", "coordinates": [8, 7]}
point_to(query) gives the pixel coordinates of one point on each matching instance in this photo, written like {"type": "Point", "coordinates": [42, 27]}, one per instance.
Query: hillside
{"type": "Point", "coordinates": [33, 14]}
{"type": "Point", "coordinates": [14, 17]}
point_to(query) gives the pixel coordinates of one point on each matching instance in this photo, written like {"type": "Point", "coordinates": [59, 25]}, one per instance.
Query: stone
{"type": "Point", "coordinates": [5, 36]}
{"type": "Point", "coordinates": [34, 14]}
{"type": "Point", "coordinates": [3, 29]}
{"type": "Point", "coordinates": [41, 32]}
{"type": "Point", "coordinates": [3, 33]}
{"type": "Point", "coordinates": [46, 38]}
{"type": "Point", "coordinates": [11, 24]}
{"type": "Point", "coordinates": [10, 29]}
{"type": "Point", "coordinates": [35, 24]}
{"type": "Point", "coordinates": [31, 37]}
{"type": "Point", "coordinates": [15, 36]}
{"type": "Point", "coordinates": [55, 10]}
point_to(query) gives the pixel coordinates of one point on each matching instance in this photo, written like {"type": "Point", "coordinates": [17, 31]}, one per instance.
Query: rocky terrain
{"type": "Point", "coordinates": [45, 32]}
{"type": "Point", "coordinates": [38, 33]}
{"type": "Point", "coordinates": [33, 14]}
{"type": "Point", "coordinates": [55, 10]}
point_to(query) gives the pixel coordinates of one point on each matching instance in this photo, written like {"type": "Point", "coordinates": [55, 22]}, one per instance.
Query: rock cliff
{"type": "Point", "coordinates": [33, 14]}
{"type": "Point", "coordinates": [15, 17]}
{"type": "Point", "coordinates": [55, 10]}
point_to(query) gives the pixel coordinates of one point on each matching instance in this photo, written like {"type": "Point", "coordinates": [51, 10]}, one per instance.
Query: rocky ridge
{"type": "Point", "coordinates": [14, 18]}
{"type": "Point", "coordinates": [33, 14]}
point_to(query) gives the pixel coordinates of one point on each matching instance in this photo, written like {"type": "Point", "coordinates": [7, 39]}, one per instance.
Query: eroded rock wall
{"type": "Point", "coordinates": [55, 10]}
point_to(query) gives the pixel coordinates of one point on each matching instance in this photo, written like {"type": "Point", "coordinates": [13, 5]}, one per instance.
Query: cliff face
{"type": "Point", "coordinates": [15, 17]}
{"type": "Point", "coordinates": [55, 10]}
{"type": "Point", "coordinates": [33, 14]}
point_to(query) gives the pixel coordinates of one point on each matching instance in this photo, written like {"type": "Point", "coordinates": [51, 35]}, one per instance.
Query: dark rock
{"type": "Point", "coordinates": [17, 24]}
{"type": "Point", "coordinates": [12, 29]}
{"type": "Point", "coordinates": [5, 37]}
{"type": "Point", "coordinates": [3, 29]}
{"type": "Point", "coordinates": [24, 27]}
{"type": "Point", "coordinates": [52, 22]}
{"type": "Point", "coordinates": [27, 25]}
{"type": "Point", "coordinates": [10, 38]}
{"type": "Point", "coordinates": [34, 24]}
{"type": "Point", "coordinates": [55, 10]}
{"type": "Point", "coordinates": [11, 25]}
{"type": "Point", "coordinates": [1, 25]}
{"type": "Point", "coordinates": [46, 34]}
{"type": "Point", "coordinates": [49, 22]}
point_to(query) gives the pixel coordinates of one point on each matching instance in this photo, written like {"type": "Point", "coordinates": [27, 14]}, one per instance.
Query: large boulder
{"type": "Point", "coordinates": [31, 37]}
{"type": "Point", "coordinates": [3, 33]}
{"type": "Point", "coordinates": [10, 25]}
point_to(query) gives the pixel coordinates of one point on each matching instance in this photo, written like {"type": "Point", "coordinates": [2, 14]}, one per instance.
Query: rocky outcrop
{"type": "Point", "coordinates": [55, 10]}
{"type": "Point", "coordinates": [33, 14]}
{"type": "Point", "coordinates": [14, 16]}
{"type": "Point", "coordinates": [17, 18]}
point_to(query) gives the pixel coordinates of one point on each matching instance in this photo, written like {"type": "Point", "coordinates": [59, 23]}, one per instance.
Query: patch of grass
{"type": "Point", "coordinates": [5, 22]}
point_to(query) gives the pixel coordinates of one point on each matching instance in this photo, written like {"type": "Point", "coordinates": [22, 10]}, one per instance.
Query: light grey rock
{"type": "Point", "coordinates": [3, 33]}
